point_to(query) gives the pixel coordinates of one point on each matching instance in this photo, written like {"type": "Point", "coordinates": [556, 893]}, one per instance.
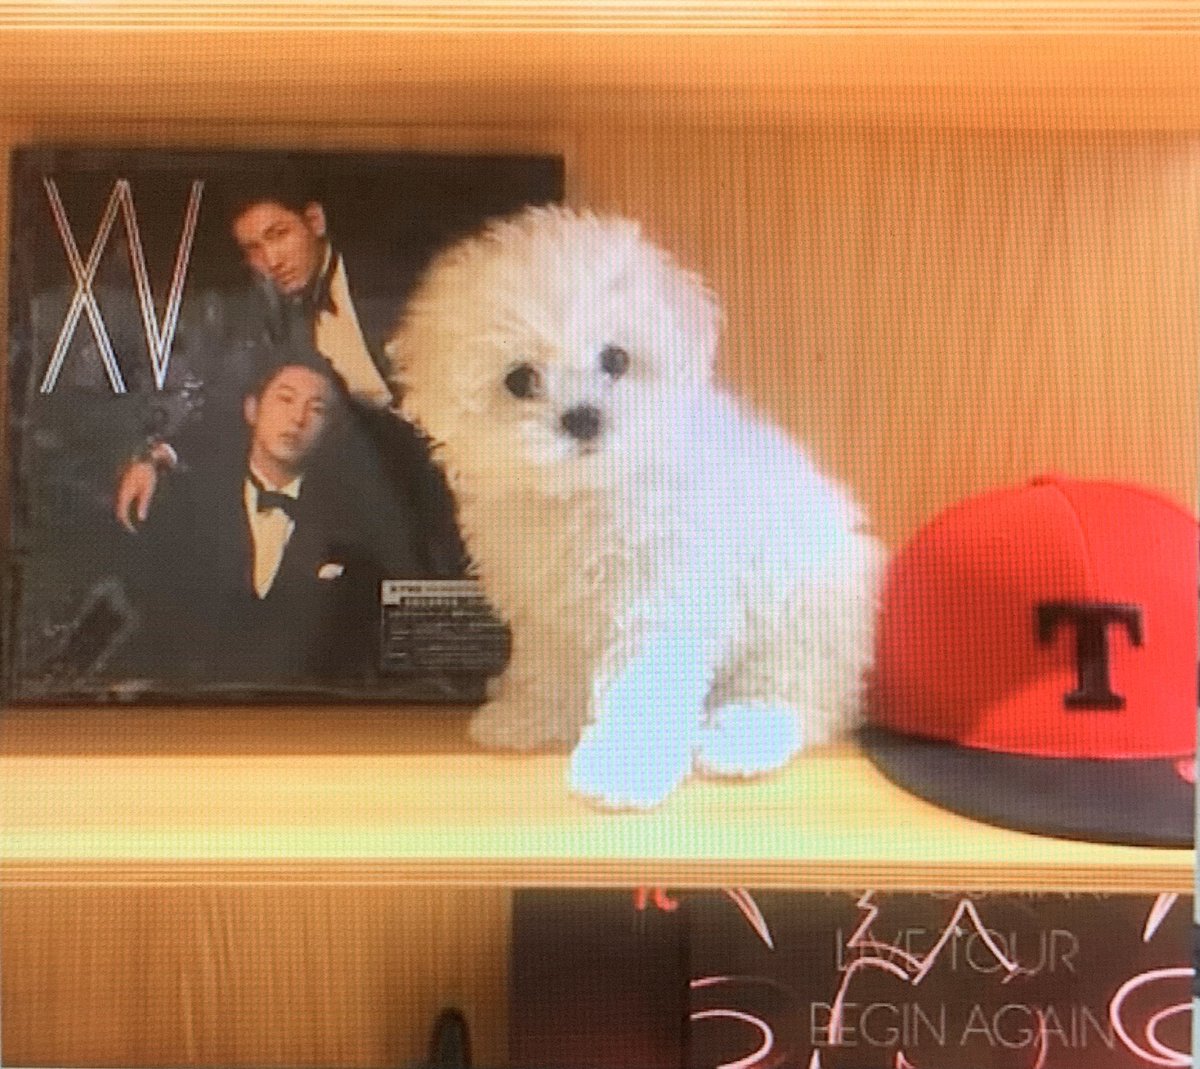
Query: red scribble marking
{"type": "Point", "coordinates": [1186, 768]}
{"type": "Point", "coordinates": [1161, 1054]}
{"type": "Point", "coordinates": [749, 1060]}
{"type": "Point", "coordinates": [642, 896]}
{"type": "Point", "coordinates": [1158, 911]}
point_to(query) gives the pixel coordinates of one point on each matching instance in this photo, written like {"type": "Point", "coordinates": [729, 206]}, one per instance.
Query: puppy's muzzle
{"type": "Point", "coordinates": [582, 422]}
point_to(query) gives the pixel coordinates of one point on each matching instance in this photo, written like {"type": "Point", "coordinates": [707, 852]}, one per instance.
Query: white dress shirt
{"type": "Point", "coordinates": [269, 531]}
{"type": "Point", "coordinates": [339, 338]}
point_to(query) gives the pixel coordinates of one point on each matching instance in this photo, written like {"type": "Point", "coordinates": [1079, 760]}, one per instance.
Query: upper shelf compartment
{"type": "Point", "coordinates": [1087, 65]}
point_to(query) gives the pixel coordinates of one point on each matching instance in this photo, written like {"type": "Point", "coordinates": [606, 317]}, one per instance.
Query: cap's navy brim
{"type": "Point", "coordinates": [1142, 802]}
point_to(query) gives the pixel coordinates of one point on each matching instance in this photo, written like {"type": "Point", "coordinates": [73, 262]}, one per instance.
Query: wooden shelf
{"type": "Point", "coordinates": [376, 796]}
{"type": "Point", "coordinates": [672, 16]}
{"type": "Point", "coordinates": [1022, 63]}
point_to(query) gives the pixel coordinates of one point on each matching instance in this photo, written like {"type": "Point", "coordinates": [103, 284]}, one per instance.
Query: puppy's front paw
{"type": "Point", "coordinates": [748, 740]}
{"type": "Point", "coordinates": [505, 725]}
{"type": "Point", "coordinates": [620, 772]}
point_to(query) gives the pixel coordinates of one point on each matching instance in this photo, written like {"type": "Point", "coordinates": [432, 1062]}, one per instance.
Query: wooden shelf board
{"type": "Point", "coordinates": [1092, 16]}
{"type": "Point", "coordinates": [1121, 70]}
{"type": "Point", "coordinates": [376, 796]}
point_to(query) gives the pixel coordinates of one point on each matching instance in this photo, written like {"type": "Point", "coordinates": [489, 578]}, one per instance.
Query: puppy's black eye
{"type": "Point", "coordinates": [523, 381]}
{"type": "Point", "coordinates": [614, 361]}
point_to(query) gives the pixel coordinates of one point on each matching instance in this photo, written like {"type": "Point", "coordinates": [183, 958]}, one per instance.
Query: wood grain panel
{"type": "Point", "coordinates": [936, 312]}
{"type": "Point", "coordinates": [672, 16]}
{"type": "Point", "coordinates": [254, 976]}
{"type": "Point", "coordinates": [1063, 78]}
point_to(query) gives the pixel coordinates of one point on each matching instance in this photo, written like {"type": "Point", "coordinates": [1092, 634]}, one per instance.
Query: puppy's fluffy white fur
{"type": "Point", "coordinates": [686, 592]}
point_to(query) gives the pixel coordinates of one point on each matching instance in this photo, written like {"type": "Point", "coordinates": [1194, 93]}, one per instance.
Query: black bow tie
{"type": "Point", "coordinates": [273, 499]}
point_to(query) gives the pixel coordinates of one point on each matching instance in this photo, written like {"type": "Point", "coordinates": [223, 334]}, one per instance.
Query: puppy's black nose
{"type": "Point", "coordinates": [582, 422]}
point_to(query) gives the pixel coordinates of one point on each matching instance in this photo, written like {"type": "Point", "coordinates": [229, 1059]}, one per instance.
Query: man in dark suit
{"type": "Point", "coordinates": [304, 301]}
{"type": "Point", "coordinates": [267, 573]}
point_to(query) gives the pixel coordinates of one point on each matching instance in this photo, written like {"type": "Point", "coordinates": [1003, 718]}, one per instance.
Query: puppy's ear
{"type": "Point", "coordinates": [697, 314]}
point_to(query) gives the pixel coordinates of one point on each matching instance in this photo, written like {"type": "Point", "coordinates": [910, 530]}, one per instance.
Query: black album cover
{"type": "Point", "coordinates": [657, 978]}
{"type": "Point", "coordinates": [210, 494]}
{"type": "Point", "coordinates": [939, 981]}
{"type": "Point", "coordinates": [598, 979]}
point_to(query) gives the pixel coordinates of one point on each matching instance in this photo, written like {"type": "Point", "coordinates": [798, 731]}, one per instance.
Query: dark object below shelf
{"type": "Point", "coordinates": [450, 1043]}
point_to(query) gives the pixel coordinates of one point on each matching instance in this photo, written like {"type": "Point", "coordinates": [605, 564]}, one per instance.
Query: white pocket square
{"type": "Point", "coordinates": [330, 571]}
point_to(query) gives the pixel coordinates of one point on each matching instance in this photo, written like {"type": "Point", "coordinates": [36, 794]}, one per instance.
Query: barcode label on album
{"type": "Point", "coordinates": [443, 625]}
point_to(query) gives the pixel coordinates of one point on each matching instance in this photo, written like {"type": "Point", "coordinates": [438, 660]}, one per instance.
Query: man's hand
{"type": "Point", "coordinates": [134, 494]}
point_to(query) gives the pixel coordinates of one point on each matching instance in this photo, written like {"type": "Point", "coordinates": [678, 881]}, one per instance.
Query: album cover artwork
{"type": "Point", "coordinates": [940, 981]}
{"type": "Point", "coordinates": [211, 496]}
{"type": "Point", "coordinates": [654, 978]}
{"type": "Point", "coordinates": [598, 979]}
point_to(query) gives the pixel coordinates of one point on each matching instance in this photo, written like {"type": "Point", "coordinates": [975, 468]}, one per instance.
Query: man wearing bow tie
{"type": "Point", "coordinates": [303, 303]}
{"type": "Point", "coordinates": [266, 569]}
{"type": "Point", "coordinates": [286, 418]}
{"type": "Point", "coordinates": [286, 243]}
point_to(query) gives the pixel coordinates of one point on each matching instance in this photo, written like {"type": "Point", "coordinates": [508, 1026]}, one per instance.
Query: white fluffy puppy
{"type": "Point", "coordinates": [685, 591]}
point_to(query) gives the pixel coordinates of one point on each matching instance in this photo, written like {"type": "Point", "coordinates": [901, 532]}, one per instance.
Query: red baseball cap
{"type": "Point", "coordinates": [1036, 662]}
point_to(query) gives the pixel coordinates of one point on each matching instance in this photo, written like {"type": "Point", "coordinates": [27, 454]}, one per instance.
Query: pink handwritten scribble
{"type": "Point", "coordinates": [1158, 912]}
{"type": "Point", "coordinates": [756, 1057]}
{"type": "Point", "coordinates": [901, 1061]}
{"type": "Point", "coordinates": [874, 954]}
{"type": "Point", "coordinates": [1157, 1019]}
{"type": "Point", "coordinates": [1159, 1053]}
{"type": "Point", "coordinates": [913, 969]}
{"type": "Point", "coordinates": [861, 939]}
{"type": "Point", "coordinates": [643, 897]}
{"type": "Point", "coordinates": [766, 1057]}
{"type": "Point", "coordinates": [745, 902]}
{"type": "Point", "coordinates": [1043, 1041]}
{"type": "Point", "coordinates": [837, 1011]}
{"type": "Point", "coordinates": [714, 981]}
